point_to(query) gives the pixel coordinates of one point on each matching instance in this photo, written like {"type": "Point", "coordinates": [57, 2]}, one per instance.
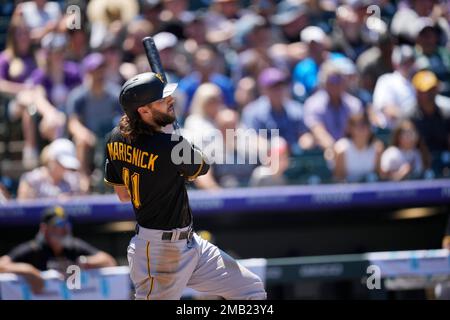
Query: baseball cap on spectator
{"type": "Point", "coordinates": [270, 77]}
{"type": "Point", "coordinates": [64, 152]}
{"type": "Point", "coordinates": [224, 31]}
{"type": "Point", "coordinates": [243, 27]}
{"type": "Point", "coordinates": [313, 34]}
{"type": "Point", "coordinates": [165, 40]}
{"type": "Point", "coordinates": [55, 216]}
{"type": "Point", "coordinates": [421, 24]}
{"type": "Point", "coordinates": [402, 54]}
{"type": "Point", "coordinates": [346, 66]}
{"type": "Point", "coordinates": [92, 62]}
{"type": "Point", "coordinates": [424, 81]}
{"type": "Point", "coordinates": [288, 11]}
{"type": "Point", "coordinates": [54, 41]}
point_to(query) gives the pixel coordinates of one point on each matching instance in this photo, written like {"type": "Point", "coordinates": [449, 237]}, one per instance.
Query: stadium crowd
{"type": "Point", "coordinates": [359, 90]}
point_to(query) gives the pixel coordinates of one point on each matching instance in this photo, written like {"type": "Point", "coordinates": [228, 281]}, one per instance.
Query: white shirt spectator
{"type": "Point", "coordinates": [35, 18]}
{"type": "Point", "coordinates": [43, 187]}
{"type": "Point", "coordinates": [394, 158]}
{"type": "Point", "coordinates": [199, 130]}
{"type": "Point", "coordinates": [263, 176]}
{"type": "Point", "coordinates": [358, 162]}
{"type": "Point", "coordinates": [393, 89]}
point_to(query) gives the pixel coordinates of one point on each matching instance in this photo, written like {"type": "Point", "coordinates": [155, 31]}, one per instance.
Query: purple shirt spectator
{"type": "Point", "coordinates": [260, 115]}
{"type": "Point", "coordinates": [57, 93]}
{"type": "Point", "coordinates": [319, 111]}
{"type": "Point", "coordinates": [18, 71]}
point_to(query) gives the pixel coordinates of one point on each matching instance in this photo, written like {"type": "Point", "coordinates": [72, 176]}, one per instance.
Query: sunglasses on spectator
{"type": "Point", "coordinates": [409, 133]}
{"type": "Point", "coordinates": [360, 124]}
{"type": "Point", "coordinates": [335, 79]}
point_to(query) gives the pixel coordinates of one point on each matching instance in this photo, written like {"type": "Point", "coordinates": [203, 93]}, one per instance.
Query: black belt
{"type": "Point", "coordinates": [167, 235]}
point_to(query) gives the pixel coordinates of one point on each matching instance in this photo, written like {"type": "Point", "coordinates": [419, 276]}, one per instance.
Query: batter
{"type": "Point", "coordinates": [142, 164]}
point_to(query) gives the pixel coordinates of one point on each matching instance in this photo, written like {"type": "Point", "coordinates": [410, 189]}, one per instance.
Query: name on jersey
{"type": "Point", "coordinates": [124, 152]}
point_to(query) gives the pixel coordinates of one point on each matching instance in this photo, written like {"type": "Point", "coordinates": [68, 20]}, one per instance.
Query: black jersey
{"type": "Point", "coordinates": [154, 178]}
{"type": "Point", "coordinates": [38, 253]}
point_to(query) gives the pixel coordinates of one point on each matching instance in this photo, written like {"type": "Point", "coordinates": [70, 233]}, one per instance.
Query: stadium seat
{"type": "Point", "coordinates": [310, 167]}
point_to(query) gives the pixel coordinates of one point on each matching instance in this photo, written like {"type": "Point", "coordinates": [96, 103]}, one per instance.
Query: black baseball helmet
{"type": "Point", "coordinates": [143, 89]}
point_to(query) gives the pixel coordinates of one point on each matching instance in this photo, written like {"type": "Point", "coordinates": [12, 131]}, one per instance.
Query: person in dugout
{"type": "Point", "coordinates": [55, 248]}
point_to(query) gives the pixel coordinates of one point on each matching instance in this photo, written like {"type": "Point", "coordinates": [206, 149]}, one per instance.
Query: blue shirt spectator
{"type": "Point", "coordinates": [305, 75]}
{"type": "Point", "coordinates": [190, 83]}
{"type": "Point", "coordinates": [328, 110]}
{"type": "Point", "coordinates": [274, 110]}
{"type": "Point", "coordinates": [205, 63]}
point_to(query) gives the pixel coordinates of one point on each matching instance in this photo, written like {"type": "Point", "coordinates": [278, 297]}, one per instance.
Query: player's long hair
{"type": "Point", "coordinates": [133, 126]}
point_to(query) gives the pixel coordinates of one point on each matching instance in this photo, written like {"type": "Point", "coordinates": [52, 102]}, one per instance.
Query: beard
{"type": "Point", "coordinates": [162, 119]}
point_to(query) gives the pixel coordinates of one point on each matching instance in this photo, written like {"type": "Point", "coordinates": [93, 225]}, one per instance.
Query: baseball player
{"type": "Point", "coordinates": [165, 255]}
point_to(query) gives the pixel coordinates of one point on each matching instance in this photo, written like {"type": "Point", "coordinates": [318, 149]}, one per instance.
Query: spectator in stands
{"type": "Point", "coordinates": [56, 77]}
{"type": "Point", "coordinates": [166, 44]}
{"type": "Point", "coordinates": [111, 17]}
{"type": "Point", "coordinates": [357, 156]}
{"type": "Point", "coordinates": [328, 110]}
{"type": "Point", "coordinates": [404, 23]}
{"type": "Point", "coordinates": [231, 166]}
{"type": "Point", "coordinates": [113, 60]}
{"type": "Point", "coordinates": [17, 60]}
{"type": "Point", "coordinates": [256, 37]}
{"type": "Point", "coordinates": [200, 126]}
{"type": "Point", "coordinates": [58, 177]}
{"type": "Point", "coordinates": [77, 38]}
{"type": "Point", "coordinates": [16, 65]}
{"type": "Point", "coordinates": [407, 157]}
{"type": "Point", "coordinates": [55, 248]}
{"type": "Point", "coordinates": [430, 55]}
{"type": "Point", "coordinates": [227, 9]}
{"type": "Point", "coordinates": [194, 30]}
{"type": "Point", "coordinates": [429, 119]}
{"type": "Point", "coordinates": [274, 109]}
{"type": "Point", "coordinates": [291, 17]}
{"type": "Point", "coordinates": [350, 33]}
{"type": "Point", "coordinates": [272, 174]}
{"type": "Point", "coordinates": [246, 92]}
{"type": "Point", "coordinates": [353, 80]}
{"type": "Point", "coordinates": [306, 72]}
{"type": "Point", "coordinates": [394, 97]}
{"type": "Point", "coordinates": [150, 10]}
{"type": "Point", "coordinates": [93, 111]}
{"type": "Point", "coordinates": [171, 16]}
{"type": "Point", "coordinates": [132, 45]}
{"type": "Point", "coordinates": [205, 60]}
{"type": "Point", "coordinates": [375, 62]}
{"type": "Point", "coordinates": [41, 16]}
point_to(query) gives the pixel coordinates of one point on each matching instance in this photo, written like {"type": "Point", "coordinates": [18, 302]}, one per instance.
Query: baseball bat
{"type": "Point", "coordinates": [154, 60]}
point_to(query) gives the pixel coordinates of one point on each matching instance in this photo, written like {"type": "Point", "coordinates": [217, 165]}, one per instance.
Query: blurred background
{"type": "Point", "coordinates": [360, 93]}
